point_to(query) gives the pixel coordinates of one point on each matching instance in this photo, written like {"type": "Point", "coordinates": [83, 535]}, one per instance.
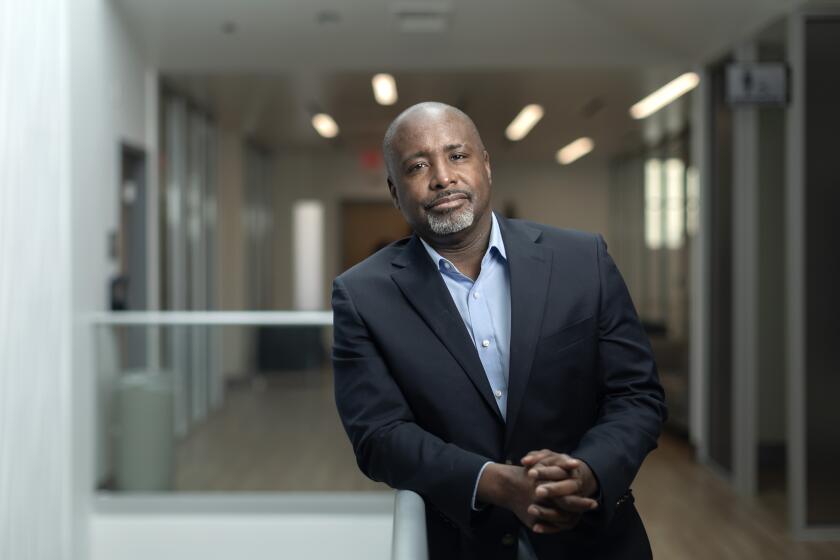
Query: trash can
{"type": "Point", "coordinates": [145, 459]}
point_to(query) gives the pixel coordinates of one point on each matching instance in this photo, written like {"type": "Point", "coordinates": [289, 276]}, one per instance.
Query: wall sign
{"type": "Point", "coordinates": [757, 84]}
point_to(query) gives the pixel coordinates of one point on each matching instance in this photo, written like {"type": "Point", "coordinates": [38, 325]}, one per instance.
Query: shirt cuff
{"type": "Point", "coordinates": [475, 489]}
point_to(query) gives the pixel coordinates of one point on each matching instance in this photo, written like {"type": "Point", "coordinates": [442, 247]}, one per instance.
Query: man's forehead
{"type": "Point", "coordinates": [433, 130]}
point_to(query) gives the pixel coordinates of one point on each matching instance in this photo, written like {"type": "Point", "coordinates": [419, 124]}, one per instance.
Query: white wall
{"type": "Point", "coordinates": [231, 244]}
{"type": "Point", "coordinates": [108, 88]}
{"type": "Point", "coordinates": [231, 195]}
{"type": "Point", "coordinates": [73, 85]}
{"type": "Point", "coordinates": [574, 196]}
{"type": "Point", "coordinates": [36, 517]}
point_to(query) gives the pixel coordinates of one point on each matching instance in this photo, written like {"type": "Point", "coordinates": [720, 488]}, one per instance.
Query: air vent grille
{"type": "Point", "coordinates": [422, 17]}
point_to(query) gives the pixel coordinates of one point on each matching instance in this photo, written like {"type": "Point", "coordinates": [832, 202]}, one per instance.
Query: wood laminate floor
{"type": "Point", "coordinates": [277, 433]}
{"type": "Point", "coordinates": [281, 433]}
{"type": "Point", "coordinates": [690, 513]}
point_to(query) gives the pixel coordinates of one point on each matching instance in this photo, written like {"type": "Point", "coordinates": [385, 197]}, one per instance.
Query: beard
{"type": "Point", "coordinates": [453, 221]}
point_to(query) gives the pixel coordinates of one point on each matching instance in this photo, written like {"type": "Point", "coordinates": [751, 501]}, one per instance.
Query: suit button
{"type": "Point", "coordinates": [508, 462]}
{"type": "Point", "coordinates": [508, 540]}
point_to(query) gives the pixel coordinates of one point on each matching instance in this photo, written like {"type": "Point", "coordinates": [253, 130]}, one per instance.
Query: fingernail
{"type": "Point", "coordinates": [538, 529]}
{"type": "Point", "coordinates": [541, 491]}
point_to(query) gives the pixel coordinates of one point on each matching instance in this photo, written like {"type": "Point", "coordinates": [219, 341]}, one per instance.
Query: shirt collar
{"type": "Point", "coordinates": [496, 242]}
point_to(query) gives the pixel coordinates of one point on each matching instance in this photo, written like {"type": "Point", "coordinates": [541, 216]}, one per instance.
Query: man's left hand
{"type": "Point", "coordinates": [564, 483]}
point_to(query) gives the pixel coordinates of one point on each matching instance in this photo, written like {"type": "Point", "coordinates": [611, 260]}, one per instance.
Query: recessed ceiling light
{"type": "Point", "coordinates": [325, 125]}
{"type": "Point", "coordinates": [384, 89]}
{"type": "Point", "coordinates": [575, 150]}
{"type": "Point", "coordinates": [664, 95]}
{"type": "Point", "coordinates": [529, 116]}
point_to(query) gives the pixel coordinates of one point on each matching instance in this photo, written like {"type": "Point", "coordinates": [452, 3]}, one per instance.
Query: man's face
{"type": "Point", "coordinates": [439, 173]}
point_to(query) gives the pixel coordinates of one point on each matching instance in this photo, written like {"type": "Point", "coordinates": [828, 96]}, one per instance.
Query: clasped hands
{"type": "Point", "coordinates": [549, 493]}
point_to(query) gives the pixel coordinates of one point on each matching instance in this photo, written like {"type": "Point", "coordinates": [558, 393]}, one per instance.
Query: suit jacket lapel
{"type": "Point", "coordinates": [530, 271]}
{"type": "Point", "coordinates": [421, 284]}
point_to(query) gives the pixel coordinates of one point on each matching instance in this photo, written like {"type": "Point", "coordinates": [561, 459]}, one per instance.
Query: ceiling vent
{"type": "Point", "coordinates": [422, 17]}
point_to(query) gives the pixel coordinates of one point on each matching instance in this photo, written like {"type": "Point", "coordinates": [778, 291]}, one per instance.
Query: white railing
{"type": "Point", "coordinates": [409, 534]}
{"type": "Point", "coordinates": [198, 318]}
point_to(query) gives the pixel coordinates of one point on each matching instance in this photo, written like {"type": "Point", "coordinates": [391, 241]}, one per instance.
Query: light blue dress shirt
{"type": "Point", "coordinates": [484, 305]}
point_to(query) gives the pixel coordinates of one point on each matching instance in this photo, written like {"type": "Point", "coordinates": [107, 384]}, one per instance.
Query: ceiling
{"type": "Point", "coordinates": [265, 66]}
{"type": "Point", "coordinates": [344, 35]}
{"type": "Point", "coordinates": [582, 102]}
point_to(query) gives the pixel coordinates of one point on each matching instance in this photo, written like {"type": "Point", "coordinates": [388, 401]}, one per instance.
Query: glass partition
{"type": "Point", "coordinates": [223, 402]}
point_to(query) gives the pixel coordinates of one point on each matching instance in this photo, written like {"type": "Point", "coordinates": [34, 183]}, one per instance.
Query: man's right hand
{"type": "Point", "coordinates": [510, 487]}
{"type": "Point", "coordinates": [563, 483]}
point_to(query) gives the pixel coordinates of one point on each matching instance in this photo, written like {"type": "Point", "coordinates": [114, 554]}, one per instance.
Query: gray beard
{"type": "Point", "coordinates": [451, 222]}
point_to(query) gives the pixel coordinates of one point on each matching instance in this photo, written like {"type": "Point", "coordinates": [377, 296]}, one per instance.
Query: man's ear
{"type": "Point", "coordinates": [393, 190]}
{"type": "Point", "coordinates": [487, 166]}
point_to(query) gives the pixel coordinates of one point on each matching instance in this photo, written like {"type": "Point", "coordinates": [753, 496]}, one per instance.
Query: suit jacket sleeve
{"type": "Point", "coordinates": [632, 406]}
{"type": "Point", "coordinates": [390, 446]}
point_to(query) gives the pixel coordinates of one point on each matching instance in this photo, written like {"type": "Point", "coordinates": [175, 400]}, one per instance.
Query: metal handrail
{"type": "Point", "coordinates": [198, 318]}
{"type": "Point", "coordinates": [409, 533]}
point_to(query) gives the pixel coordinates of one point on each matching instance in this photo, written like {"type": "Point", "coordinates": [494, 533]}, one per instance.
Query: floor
{"type": "Point", "coordinates": [690, 513]}
{"type": "Point", "coordinates": [276, 433]}
{"type": "Point", "coordinates": [281, 433]}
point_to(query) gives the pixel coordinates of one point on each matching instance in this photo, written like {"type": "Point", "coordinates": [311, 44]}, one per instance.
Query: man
{"type": "Point", "coordinates": [496, 367]}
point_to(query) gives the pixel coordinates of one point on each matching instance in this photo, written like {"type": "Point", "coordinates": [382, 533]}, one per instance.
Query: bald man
{"type": "Point", "coordinates": [496, 367]}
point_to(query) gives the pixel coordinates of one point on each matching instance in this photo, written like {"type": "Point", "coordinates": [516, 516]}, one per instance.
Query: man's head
{"type": "Point", "coordinates": [438, 170]}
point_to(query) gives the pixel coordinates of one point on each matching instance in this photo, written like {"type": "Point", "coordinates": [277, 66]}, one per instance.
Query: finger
{"type": "Point", "coordinates": [575, 504]}
{"type": "Point", "coordinates": [551, 515]}
{"type": "Point", "coordinates": [560, 460]}
{"type": "Point", "coordinates": [568, 487]}
{"type": "Point", "coordinates": [533, 457]}
{"type": "Point", "coordinates": [543, 472]}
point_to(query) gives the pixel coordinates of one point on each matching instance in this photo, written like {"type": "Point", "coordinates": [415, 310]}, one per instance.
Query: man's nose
{"type": "Point", "coordinates": [443, 177]}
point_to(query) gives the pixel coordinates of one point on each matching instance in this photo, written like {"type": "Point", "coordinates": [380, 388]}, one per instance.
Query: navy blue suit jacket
{"type": "Point", "coordinates": [419, 411]}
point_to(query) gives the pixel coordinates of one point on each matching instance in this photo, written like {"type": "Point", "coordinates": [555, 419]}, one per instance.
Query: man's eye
{"type": "Point", "coordinates": [415, 167]}
{"type": "Point", "coordinates": [458, 156]}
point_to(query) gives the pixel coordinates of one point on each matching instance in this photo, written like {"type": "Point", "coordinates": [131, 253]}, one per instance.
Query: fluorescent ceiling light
{"type": "Point", "coordinates": [325, 125]}
{"type": "Point", "coordinates": [519, 128]}
{"type": "Point", "coordinates": [575, 150]}
{"type": "Point", "coordinates": [664, 95]}
{"type": "Point", "coordinates": [384, 89]}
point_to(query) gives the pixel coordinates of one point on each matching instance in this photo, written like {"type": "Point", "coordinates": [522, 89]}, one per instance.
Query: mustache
{"type": "Point", "coordinates": [447, 194]}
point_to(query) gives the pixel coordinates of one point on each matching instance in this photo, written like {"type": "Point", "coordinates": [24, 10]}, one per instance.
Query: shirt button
{"type": "Point", "coordinates": [485, 343]}
{"type": "Point", "coordinates": [508, 540]}
{"type": "Point", "coordinates": [498, 394]}
{"type": "Point", "coordinates": [476, 295]}
{"type": "Point", "coordinates": [447, 265]}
